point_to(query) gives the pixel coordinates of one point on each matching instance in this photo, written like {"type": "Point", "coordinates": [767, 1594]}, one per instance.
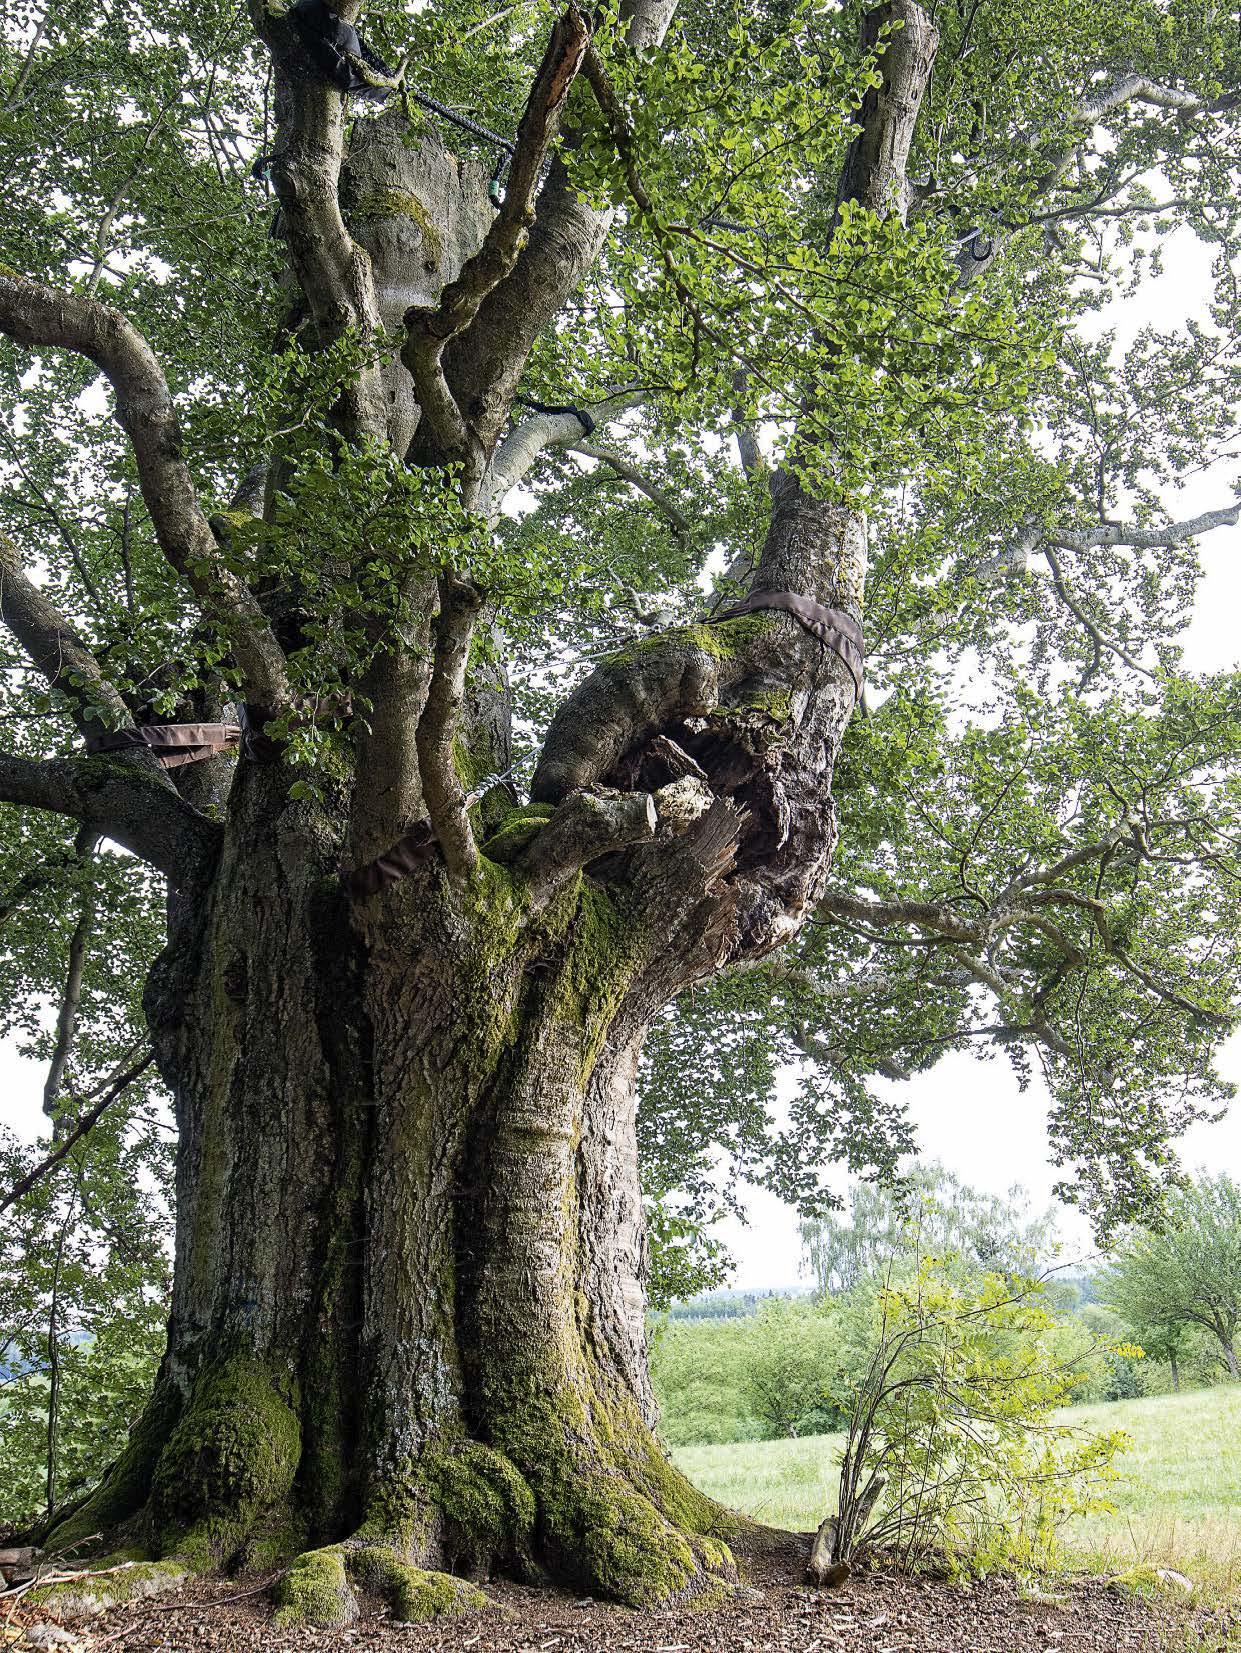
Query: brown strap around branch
{"type": "Point", "coordinates": [396, 862]}
{"type": "Point", "coordinates": [172, 743]}
{"type": "Point", "coordinates": [835, 629]}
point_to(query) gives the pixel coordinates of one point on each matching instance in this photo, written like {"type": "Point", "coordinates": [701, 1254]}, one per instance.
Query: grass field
{"type": "Point", "coordinates": [1178, 1503]}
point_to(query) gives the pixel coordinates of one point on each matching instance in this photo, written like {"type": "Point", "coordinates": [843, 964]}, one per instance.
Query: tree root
{"type": "Point", "coordinates": [320, 1589]}
{"type": "Point", "coordinates": [84, 1594]}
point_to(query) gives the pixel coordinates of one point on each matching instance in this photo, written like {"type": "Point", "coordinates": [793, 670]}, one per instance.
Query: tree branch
{"type": "Point", "coordinates": [38, 316]}
{"type": "Point", "coordinates": [584, 827]}
{"type": "Point", "coordinates": [874, 171]}
{"type": "Point", "coordinates": [135, 807]}
{"type": "Point", "coordinates": [1167, 535]}
{"type": "Point", "coordinates": [71, 993]}
{"type": "Point", "coordinates": [626, 469]}
{"type": "Point", "coordinates": [87, 1123]}
{"type": "Point", "coordinates": [1100, 638]}
{"type": "Point", "coordinates": [431, 328]}
{"type": "Point", "coordinates": [55, 649]}
{"type": "Point", "coordinates": [334, 273]}
{"type": "Point", "coordinates": [436, 735]}
{"type": "Point", "coordinates": [517, 453]}
{"type": "Point", "coordinates": [484, 365]}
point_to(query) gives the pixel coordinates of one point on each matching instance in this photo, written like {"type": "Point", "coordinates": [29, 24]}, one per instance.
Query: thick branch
{"type": "Point", "coordinates": [334, 274]}
{"type": "Point", "coordinates": [136, 809]}
{"type": "Point", "coordinates": [586, 825]}
{"type": "Point", "coordinates": [38, 316]}
{"type": "Point", "coordinates": [1152, 538]}
{"type": "Point", "coordinates": [55, 649]}
{"type": "Point", "coordinates": [432, 328]}
{"type": "Point", "coordinates": [517, 453]}
{"type": "Point", "coordinates": [937, 917]}
{"type": "Point", "coordinates": [874, 171]}
{"type": "Point", "coordinates": [437, 727]}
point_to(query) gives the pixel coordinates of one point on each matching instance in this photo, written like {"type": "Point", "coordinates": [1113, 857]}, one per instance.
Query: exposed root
{"type": "Point", "coordinates": [83, 1595]}
{"type": "Point", "coordinates": [315, 1591]}
{"type": "Point", "coordinates": [616, 1541]}
{"type": "Point", "coordinates": [229, 1463]}
{"type": "Point", "coordinates": [321, 1587]}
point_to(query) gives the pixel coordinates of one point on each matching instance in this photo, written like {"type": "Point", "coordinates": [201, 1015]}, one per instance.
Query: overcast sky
{"type": "Point", "coordinates": [969, 1113]}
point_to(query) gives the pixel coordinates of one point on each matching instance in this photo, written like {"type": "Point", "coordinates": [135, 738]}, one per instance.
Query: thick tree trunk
{"type": "Point", "coordinates": [407, 1319]}
{"type": "Point", "coordinates": [408, 1308]}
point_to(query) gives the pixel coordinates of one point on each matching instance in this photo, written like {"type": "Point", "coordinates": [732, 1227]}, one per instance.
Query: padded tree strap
{"type": "Point", "coordinates": [835, 629]}
{"type": "Point", "coordinates": [396, 862]}
{"type": "Point", "coordinates": [401, 858]}
{"type": "Point", "coordinates": [173, 744]}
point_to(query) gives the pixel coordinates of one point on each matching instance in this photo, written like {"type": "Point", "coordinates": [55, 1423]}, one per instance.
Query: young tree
{"type": "Point", "coordinates": [1186, 1273]}
{"type": "Point", "coordinates": [787, 288]}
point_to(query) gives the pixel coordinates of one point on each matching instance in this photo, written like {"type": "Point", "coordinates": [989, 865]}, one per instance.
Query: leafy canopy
{"type": "Point", "coordinates": [1038, 806]}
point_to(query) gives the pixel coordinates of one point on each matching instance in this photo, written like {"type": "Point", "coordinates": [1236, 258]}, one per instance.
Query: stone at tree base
{"type": "Point", "coordinates": [18, 1565]}
{"type": "Point", "coordinates": [90, 1594]}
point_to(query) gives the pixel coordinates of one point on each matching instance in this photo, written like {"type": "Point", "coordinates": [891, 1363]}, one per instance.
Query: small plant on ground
{"type": "Point", "coordinates": [954, 1456]}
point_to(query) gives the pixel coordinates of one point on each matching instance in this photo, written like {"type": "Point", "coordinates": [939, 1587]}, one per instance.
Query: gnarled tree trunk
{"type": "Point", "coordinates": [407, 1324]}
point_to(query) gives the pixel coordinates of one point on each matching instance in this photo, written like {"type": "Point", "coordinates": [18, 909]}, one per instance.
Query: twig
{"type": "Point", "coordinates": [86, 1123]}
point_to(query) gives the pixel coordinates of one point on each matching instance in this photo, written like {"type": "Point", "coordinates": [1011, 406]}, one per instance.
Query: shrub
{"type": "Point", "coordinates": [953, 1456]}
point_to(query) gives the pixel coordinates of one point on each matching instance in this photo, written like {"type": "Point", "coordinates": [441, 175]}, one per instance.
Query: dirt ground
{"type": "Point", "coordinates": [873, 1613]}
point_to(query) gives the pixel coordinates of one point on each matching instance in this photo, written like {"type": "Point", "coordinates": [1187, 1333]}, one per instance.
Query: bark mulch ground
{"type": "Point", "coordinates": [874, 1613]}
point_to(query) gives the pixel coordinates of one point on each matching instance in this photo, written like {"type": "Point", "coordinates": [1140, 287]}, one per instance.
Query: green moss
{"type": "Point", "coordinates": [601, 1525]}
{"type": "Point", "coordinates": [480, 1491]}
{"type": "Point", "coordinates": [413, 1594]}
{"type": "Point", "coordinates": [232, 1455]}
{"type": "Point", "coordinates": [273, 1543]}
{"type": "Point", "coordinates": [605, 946]}
{"type": "Point", "coordinates": [400, 203]}
{"type": "Point", "coordinates": [125, 1487]}
{"type": "Point", "coordinates": [679, 1498]}
{"type": "Point", "coordinates": [722, 641]}
{"type": "Point", "coordinates": [515, 832]}
{"type": "Point", "coordinates": [315, 1591]}
{"type": "Point", "coordinates": [627, 1547]}
{"type": "Point", "coordinates": [777, 705]}
{"type": "Point", "coordinates": [713, 1593]}
{"type": "Point", "coordinates": [98, 1591]}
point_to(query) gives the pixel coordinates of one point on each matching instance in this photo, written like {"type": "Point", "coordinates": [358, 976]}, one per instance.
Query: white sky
{"type": "Point", "coordinates": [969, 1113]}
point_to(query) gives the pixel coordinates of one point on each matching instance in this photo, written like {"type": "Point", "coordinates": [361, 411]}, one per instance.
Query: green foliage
{"type": "Point", "coordinates": [1185, 1274]}
{"type": "Point", "coordinates": [83, 1282]}
{"type": "Point", "coordinates": [929, 1212]}
{"type": "Point", "coordinates": [698, 1369]}
{"type": "Point", "coordinates": [954, 1454]}
{"type": "Point", "coordinates": [793, 1374]}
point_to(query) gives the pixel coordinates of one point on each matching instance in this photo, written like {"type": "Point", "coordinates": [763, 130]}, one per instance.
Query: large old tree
{"type": "Point", "coordinates": [546, 417]}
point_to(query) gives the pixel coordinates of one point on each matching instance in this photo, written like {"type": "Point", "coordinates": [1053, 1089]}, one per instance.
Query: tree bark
{"type": "Point", "coordinates": [407, 1324]}
{"type": "Point", "coordinates": [408, 1308]}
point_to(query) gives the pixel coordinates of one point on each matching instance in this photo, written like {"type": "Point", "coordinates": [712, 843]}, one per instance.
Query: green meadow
{"type": "Point", "coordinates": [1177, 1503]}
